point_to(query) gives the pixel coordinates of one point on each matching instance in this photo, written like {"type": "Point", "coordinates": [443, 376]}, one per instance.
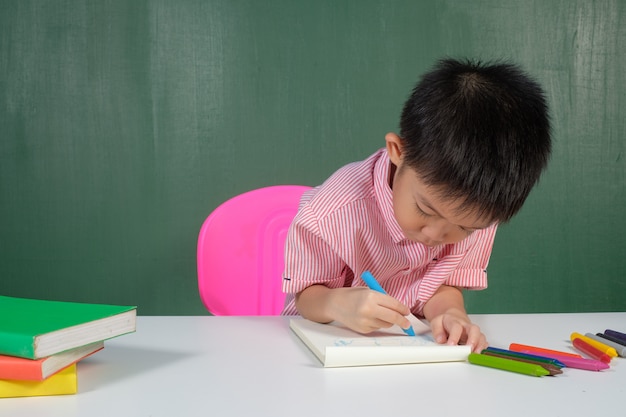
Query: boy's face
{"type": "Point", "coordinates": [422, 214]}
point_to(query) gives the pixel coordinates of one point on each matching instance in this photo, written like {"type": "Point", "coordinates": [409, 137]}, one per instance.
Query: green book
{"type": "Point", "coordinates": [36, 329]}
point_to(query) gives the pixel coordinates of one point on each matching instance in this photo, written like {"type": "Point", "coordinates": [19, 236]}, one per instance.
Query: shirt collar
{"type": "Point", "coordinates": [384, 196]}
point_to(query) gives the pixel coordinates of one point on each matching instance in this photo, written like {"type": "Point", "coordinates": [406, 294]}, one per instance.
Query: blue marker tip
{"type": "Point", "coordinates": [371, 282]}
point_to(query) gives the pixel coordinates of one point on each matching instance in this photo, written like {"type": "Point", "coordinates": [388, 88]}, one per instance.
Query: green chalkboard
{"type": "Point", "coordinates": [124, 123]}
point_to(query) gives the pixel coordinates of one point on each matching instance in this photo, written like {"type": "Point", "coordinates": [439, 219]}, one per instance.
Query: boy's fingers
{"type": "Point", "coordinates": [392, 312]}
{"type": "Point", "coordinates": [476, 339]}
{"type": "Point", "coordinates": [438, 332]}
{"type": "Point", "coordinates": [393, 317]}
{"type": "Point", "coordinates": [381, 311]}
{"type": "Point", "coordinates": [393, 304]}
{"type": "Point", "coordinates": [454, 334]}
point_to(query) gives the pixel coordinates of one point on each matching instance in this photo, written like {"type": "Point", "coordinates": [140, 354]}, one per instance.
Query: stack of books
{"type": "Point", "coordinates": [41, 342]}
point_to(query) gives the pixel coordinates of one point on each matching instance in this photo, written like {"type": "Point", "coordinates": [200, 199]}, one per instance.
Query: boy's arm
{"type": "Point", "coordinates": [358, 308]}
{"type": "Point", "coordinates": [449, 321]}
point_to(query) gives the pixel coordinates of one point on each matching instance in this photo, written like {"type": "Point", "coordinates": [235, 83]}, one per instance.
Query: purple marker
{"type": "Point", "coordinates": [612, 339]}
{"type": "Point", "coordinates": [617, 335]}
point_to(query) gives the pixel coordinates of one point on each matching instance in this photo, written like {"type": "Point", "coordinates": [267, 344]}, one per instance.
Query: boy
{"type": "Point", "coordinates": [421, 214]}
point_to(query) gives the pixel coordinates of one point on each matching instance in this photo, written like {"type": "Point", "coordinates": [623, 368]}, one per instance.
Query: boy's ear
{"type": "Point", "coordinates": [394, 148]}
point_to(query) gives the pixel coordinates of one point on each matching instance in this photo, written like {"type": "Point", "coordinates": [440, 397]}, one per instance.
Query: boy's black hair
{"type": "Point", "coordinates": [478, 132]}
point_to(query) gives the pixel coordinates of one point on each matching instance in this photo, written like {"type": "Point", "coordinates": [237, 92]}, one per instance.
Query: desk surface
{"type": "Point", "coordinates": [255, 366]}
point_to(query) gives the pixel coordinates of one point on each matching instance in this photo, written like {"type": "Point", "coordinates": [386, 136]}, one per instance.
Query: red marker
{"type": "Point", "coordinates": [589, 350]}
{"type": "Point", "coordinates": [516, 347]}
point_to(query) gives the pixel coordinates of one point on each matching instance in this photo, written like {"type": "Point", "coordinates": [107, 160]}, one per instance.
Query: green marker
{"type": "Point", "coordinates": [507, 364]}
{"type": "Point", "coordinates": [520, 355]}
{"type": "Point", "coordinates": [553, 369]}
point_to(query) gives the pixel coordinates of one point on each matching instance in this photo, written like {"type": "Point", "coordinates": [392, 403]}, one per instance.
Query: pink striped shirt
{"type": "Point", "coordinates": [347, 226]}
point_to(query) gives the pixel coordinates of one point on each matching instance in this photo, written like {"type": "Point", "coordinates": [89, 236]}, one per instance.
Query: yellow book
{"type": "Point", "coordinates": [61, 383]}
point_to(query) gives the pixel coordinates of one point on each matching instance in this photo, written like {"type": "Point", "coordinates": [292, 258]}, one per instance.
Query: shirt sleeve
{"type": "Point", "coordinates": [309, 260]}
{"type": "Point", "coordinates": [471, 272]}
{"type": "Point", "coordinates": [464, 267]}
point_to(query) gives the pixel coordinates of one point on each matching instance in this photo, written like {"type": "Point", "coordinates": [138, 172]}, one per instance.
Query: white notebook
{"type": "Point", "coordinates": [335, 345]}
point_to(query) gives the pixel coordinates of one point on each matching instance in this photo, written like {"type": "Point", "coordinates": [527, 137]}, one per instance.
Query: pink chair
{"type": "Point", "coordinates": [240, 251]}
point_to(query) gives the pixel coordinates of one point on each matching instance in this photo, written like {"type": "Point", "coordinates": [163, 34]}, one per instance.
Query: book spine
{"type": "Point", "coordinates": [22, 346]}
{"type": "Point", "coordinates": [23, 371]}
{"type": "Point", "coordinates": [63, 383]}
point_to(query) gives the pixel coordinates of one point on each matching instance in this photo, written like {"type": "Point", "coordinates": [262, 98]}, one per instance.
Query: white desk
{"type": "Point", "coordinates": [255, 366]}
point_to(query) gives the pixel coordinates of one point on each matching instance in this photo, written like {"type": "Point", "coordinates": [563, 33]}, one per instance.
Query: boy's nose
{"type": "Point", "coordinates": [436, 232]}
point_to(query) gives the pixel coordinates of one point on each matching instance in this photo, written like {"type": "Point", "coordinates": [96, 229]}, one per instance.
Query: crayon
{"type": "Point", "coordinates": [598, 345]}
{"type": "Point", "coordinates": [517, 347]}
{"type": "Point", "coordinates": [589, 350]}
{"type": "Point", "coordinates": [515, 355]}
{"type": "Point", "coordinates": [620, 349]}
{"type": "Point", "coordinates": [581, 363]}
{"type": "Point", "coordinates": [612, 339]}
{"type": "Point", "coordinates": [613, 333]}
{"type": "Point", "coordinates": [552, 369]}
{"type": "Point", "coordinates": [371, 282]}
{"type": "Point", "coordinates": [507, 364]}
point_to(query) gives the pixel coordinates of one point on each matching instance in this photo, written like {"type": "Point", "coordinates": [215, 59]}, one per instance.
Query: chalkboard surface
{"type": "Point", "coordinates": [124, 123]}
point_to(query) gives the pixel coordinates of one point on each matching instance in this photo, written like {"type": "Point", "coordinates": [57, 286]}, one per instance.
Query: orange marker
{"type": "Point", "coordinates": [516, 347]}
{"type": "Point", "coordinates": [589, 350]}
{"type": "Point", "coordinates": [598, 345]}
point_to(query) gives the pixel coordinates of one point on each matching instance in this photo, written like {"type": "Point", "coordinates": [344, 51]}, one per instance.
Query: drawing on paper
{"type": "Point", "coordinates": [386, 341]}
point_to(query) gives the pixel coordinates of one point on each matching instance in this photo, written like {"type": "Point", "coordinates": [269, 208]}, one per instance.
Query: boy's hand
{"type": "Point", "coordinates": [454, 327]}
{"type": "Point", "coordinates": [364, 310]}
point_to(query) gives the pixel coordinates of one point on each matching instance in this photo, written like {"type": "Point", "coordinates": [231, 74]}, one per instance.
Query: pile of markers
{"type": "Point", "coordinates": [599, 349]}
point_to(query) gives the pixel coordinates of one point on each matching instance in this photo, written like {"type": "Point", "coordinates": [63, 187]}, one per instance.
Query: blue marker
{"type": "Point", "coordinates": [371, 282]}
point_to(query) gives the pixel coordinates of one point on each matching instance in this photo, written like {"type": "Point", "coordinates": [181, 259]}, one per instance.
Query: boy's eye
{"type": "Point", "coordinates": [467, 231]}
{"type": "Point", "coordinates": [422, 212]}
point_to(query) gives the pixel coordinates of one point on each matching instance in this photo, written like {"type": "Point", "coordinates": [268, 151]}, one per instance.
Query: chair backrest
{"type": "Point", "coordinates": [241, 251]}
